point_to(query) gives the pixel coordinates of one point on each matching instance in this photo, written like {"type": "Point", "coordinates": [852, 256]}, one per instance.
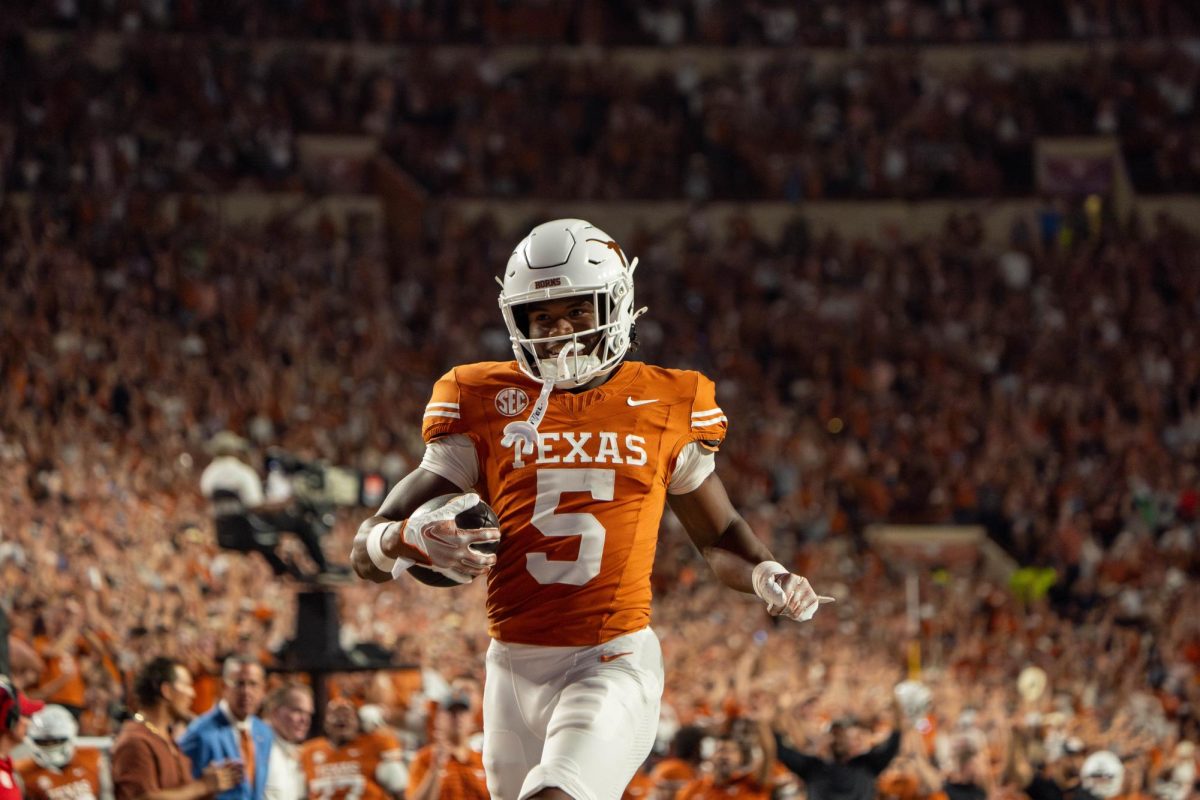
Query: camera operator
{"type": "Point", "coordinates": [247, 521]}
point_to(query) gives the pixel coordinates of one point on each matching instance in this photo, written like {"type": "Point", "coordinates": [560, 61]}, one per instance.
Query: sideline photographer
{"type": "Point", "coordinates": [247, 521]}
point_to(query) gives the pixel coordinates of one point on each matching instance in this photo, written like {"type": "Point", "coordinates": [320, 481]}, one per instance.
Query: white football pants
{"type": "Point", "coordinates": [581, 719]}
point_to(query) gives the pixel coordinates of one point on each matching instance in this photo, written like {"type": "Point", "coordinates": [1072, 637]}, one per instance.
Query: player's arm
{"type": "Point", "coordinates": [720, 533]}
{"type": "Point", "coordinates": [393, 539]}
{"type": "Point", "coordinates": [407, 496]}
{"type": "Point", "coordinates": [737, 557]}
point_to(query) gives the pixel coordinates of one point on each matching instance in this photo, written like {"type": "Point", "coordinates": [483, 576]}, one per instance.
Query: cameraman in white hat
{"type": "Point", "coordinates": [246, 520]}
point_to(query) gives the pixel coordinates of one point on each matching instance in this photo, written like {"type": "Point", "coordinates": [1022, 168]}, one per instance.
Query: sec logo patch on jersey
{"type": "Point", "coordinates": [511, 401]}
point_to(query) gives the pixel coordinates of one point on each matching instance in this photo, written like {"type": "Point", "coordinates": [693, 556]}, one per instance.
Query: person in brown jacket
{"type": "Point", "coordinates": [147, 764]}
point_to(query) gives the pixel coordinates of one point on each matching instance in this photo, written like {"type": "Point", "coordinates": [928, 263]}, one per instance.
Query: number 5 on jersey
{"type": "Point", "coordinates": [551, 485]}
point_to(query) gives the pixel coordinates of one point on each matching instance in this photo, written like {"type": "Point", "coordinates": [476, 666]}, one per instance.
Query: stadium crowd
{"type": "Point", "coordinates": [1047, 390]}
{"type": "Point", "coordinates": [185, 114]}
{"type": "Point", "coordinates": [664, 22]}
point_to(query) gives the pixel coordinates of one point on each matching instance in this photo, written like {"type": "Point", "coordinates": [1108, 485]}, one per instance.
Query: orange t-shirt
{"type": "Point", "coordinates": [347, 772]}
{"type": "Point", "coordinates": [898, 785]}
{"type": "Point", "coordinates": [743, 787]}
{"type": "Point", "coordinates": [460, 780]}
{"type": "Point", "coordinates": [208, 690]}
{"type": "Point", "coordinates": [70, 693]}
{"type": "Point", "coordinates": [673, 771]}
{"type": "Point", "coordinates": [79, 781]}
{"type": "Point", "coordinates": [579, 515]}
{"type": "Point", "coordinates": [640, 787]}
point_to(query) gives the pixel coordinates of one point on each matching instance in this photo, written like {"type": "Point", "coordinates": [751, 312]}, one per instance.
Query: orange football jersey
{"type": "Point", "coordinates": [579, 515]}
{"type": "Point", "coordinates": [740, 788]}
{"type": "Point", "coordinates": [79, 781]}
{"type": "Point", "coordinates": [347, 772]}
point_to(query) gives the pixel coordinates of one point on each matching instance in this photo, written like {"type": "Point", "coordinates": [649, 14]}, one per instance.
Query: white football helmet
{"type": "Point", "coordinates": [1103, 774]}
{"type": "Point", "coordinates": [570, 258]}
{"type": "Point", "coordinates": [1176, 783]}
{"type": "Point", "coordinates": [51, 736]}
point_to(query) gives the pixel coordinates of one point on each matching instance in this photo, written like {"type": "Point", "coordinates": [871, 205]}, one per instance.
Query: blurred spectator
{"type": "Point", "coordinates": [246, 520]}
{"type": "Point", "coordinates": [58, 640]}
{"type": "Point", "coordinates": [732, 770]}
{"type": "Point", "coordinates": [373, 760]}
{"type": "Point", "coordinates": [146, 762]}
{"type": "Point", "coordinates": [288, 709]}
{"type": "Point", "coordinates": [848, 770]}
{"type": "Point", "coordinates": [681, 765]}
{"type": "Point", "coordinates": [447, 768]}
{"type": "Point", "coordinates": [15, 710]}
{"type": "Point", "coordinates": [232, 732]}
{"type": "Point", "coordinates": [1043, 775]}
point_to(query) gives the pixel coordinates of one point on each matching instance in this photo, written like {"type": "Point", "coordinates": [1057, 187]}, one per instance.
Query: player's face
{"type": "Point", "coordinates": [561, 318]}
{"type": "Point", "coordinates": [341, 721]}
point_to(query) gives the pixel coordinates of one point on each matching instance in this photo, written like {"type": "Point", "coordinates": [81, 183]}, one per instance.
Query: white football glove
{"type": "Point", "coordinates": [446, 548]}
{"type": "Point", "coordinates": [785, 594]}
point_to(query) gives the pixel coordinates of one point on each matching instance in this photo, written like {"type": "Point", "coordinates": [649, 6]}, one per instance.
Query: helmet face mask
{"type": "Point", "coordinates": [52, 733]}
{"type": "Point", "coordinates": [562, 260]}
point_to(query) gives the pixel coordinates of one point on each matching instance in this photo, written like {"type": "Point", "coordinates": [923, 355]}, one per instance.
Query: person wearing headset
{"type": "Point", "coordinates": [15, 709]}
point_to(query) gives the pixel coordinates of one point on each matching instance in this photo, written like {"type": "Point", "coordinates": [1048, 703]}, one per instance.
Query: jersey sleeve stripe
{"type": "Point", "coordinates": [704, 423]}
{"type": "Point", "coordinates": [698, 415]}
{"type": "Point", "coordinates": [450, 414]}
{"type": "Point", "coordinates": [451, 406]}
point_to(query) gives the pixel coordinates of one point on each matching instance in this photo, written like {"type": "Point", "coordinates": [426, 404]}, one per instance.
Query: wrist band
{"type": "Point", "coordinates": [765, 569]}
{"type": "Point", "coordinates": [401, 566]}
{"type": "Point", "coordinates": [381, 560]}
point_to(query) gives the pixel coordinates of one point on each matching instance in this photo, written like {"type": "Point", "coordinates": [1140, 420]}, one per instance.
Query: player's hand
{"type": "Point", "coordinates": [444, 545]}
{"type": "Point", "coordinates": [785, 594]}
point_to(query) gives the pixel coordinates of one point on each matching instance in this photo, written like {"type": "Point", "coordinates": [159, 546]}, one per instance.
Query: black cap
{"type": "Point", "coordinates": [455, 703]}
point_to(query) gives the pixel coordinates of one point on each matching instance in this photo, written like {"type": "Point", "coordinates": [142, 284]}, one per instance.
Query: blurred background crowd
{"type": "Point", "coordinates": [1043, 385]}
{"type": "Point", "coordinates": [199, 113]}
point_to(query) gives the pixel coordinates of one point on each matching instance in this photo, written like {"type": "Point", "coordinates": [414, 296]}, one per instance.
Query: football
{"type": "Point", "coordinates": [479, 515]}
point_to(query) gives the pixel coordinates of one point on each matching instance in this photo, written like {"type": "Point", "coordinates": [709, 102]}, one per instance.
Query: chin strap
{"type": "Point", "coordinates": [523, 433]}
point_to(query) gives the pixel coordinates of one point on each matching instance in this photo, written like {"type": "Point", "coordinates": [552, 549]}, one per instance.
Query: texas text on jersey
{"type": "Point", "coordinates": [579, 513]}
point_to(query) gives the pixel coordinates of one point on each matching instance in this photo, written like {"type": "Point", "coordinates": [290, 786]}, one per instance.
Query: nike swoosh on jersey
{"type": "Point", "coordinates": [633, 402]}
{"type": "Point", "coordinates": [607, 657]}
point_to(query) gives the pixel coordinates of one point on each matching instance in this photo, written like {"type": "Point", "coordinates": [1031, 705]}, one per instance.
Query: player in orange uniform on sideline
{"type": "Point", "coordinates": [577, 450]}
{"type": "Point", "coordinates": [730, 774]}
{"type": "Point", "coordinates": [58, 771]}
{"type": "Point", "coordinates": [448, 769]}
{"type": "Point", "coordinates": [347, 764]}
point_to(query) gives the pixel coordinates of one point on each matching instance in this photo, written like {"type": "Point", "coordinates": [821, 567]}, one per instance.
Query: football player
{"type": "Point", "coordinates": [576, 450]}
{"type": "Point", "coordinates": [731, 773]}
{"type": "Point", "coordinates": [347, 764]}
{"type": "Point", "coordinates": [58, 771]}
